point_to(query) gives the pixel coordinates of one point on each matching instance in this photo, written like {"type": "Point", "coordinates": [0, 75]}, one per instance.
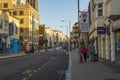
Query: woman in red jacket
{"type": "Point", "coordinates": [84, 50]}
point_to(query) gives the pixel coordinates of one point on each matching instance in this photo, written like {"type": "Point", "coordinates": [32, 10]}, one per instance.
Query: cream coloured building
{"type": "Point", "coordinates": [104, 13]}
{"type": "Point", "coordinates": [9, 29]}
{"type": "Point", "coordinates": [54, 36]}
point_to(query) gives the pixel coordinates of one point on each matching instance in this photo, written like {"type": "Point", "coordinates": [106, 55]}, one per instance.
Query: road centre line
{"type": "Point", "coordinates": [41, 67]}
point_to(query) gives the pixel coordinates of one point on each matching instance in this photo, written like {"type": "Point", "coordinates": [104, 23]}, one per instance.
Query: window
{"type": "Point", "coordinates": [16, 29]}
{"type": "Point", "coordinates": [21, 13]}
{"type": "Point", "coordinates": [21, 38]}
{"type": "Point", "coordinates": [1, 24]}
{"type": "Point", "coordinates": [5, 5]}
{"type": "Point", "coordinates": [21, 21]}
{"type": "Point", "coordinates": [21, 30]}
{"type": "Point", "coordinates": [100, 5]}
{"type": "Point", "coordinates": [6, 25]}
{"type": "Point", "coordinates": [100, 10]}
{"type": "Point", "coordinates": [14, 13]}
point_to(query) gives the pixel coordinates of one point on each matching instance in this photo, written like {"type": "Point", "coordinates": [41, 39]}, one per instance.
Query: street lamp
{"type": "Point", "coordinates": [68, 31]}
{"type": "Point", "coordinates": [79, 22]}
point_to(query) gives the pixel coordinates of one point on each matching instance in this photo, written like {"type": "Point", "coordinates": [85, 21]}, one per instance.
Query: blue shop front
{"type": "Point", "coordinates": [14, 45]}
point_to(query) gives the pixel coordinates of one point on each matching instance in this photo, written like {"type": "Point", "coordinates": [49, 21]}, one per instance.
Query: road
{"type": "Point", "coordinates": [50, 65]}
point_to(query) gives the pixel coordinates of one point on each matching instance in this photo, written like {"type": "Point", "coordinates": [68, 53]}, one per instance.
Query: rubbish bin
{"type": "Point", "coordinates": [95, 57]}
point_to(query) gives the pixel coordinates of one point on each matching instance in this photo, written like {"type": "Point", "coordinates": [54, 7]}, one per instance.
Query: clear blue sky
{"type": "Point", "coordinates": [53, 11]}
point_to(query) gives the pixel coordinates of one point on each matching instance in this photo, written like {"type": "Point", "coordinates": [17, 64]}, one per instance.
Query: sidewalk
{"type": "Point", "coordinates": [11, 55]}
{"type": "Point", "coordinates": [91, 70]}
{"type": "Point", "coordinates": [19, 54]}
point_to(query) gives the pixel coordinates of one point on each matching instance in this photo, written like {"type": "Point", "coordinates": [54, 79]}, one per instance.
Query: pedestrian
{"type": "Point", "coordinates": [84, 50]}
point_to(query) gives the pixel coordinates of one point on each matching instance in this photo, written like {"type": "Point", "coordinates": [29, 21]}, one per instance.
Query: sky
{"type": "Point", "coordinates": [53, 11]}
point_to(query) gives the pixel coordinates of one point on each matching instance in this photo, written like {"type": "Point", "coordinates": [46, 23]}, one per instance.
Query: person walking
{"type": "Point", "coordinates": [84, 50]}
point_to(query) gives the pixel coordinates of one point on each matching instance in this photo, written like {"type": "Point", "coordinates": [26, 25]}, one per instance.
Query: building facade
{"type": "Point", "coordinates": [28, 16]}
{"type": "Point", "coordinates": [104, 14]}
{"type": "Point", "coordinates": [9, 32]}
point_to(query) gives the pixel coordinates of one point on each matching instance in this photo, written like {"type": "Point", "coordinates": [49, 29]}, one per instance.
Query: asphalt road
{"type": "Point", "coordinates": [50, 65]}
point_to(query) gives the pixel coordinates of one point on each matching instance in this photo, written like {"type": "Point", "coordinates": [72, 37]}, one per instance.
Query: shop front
{"type": "Point", "coordinates": [116, 29]}
{"type": "Point", "coordinates": [14, 45]}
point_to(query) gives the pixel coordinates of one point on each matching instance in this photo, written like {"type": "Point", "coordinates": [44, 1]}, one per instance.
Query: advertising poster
{"type": "Point", "coordinates": [84, 22]}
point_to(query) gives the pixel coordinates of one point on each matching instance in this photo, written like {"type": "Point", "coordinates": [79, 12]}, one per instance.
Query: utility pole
{"type": "Point", "coordinates": [79, 24]}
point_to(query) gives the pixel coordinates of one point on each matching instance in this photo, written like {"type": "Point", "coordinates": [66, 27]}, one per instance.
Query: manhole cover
{"type": "Point", "coordinates": [111, 79]}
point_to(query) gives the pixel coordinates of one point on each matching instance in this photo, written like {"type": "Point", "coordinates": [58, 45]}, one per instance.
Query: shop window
{"type": "Point", "coordinates": [118, 42]}
{"type": "Point", "coordinates": [21, 38]}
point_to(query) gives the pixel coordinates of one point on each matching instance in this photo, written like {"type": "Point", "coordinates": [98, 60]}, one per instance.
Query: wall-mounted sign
{"type": "Point", "coordinates": [102, 30]}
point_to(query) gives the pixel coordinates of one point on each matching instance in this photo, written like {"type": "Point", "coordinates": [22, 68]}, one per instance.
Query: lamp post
{"type": "Point", "coordinates": [68, 31]}
{"type": "Point", "coordinates": [79, 23]}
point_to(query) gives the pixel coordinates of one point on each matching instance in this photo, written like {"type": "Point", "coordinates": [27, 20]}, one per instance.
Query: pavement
{"type": "Point", "coordinates": [13, 55]}
{"type": "Point", "coordinates": [101, 70]}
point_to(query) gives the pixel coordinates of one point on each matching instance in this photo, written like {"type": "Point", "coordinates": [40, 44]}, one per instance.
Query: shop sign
{"type": "Point", "coordinates": [101, 30]}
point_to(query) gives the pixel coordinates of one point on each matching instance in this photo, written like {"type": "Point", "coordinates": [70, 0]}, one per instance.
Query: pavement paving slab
{"type": "Point", "coordinates": [91, 70]}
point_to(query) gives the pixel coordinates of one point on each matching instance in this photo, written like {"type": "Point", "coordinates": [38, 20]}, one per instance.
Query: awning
{"type": "Point", "coordinates": [116, 25]}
